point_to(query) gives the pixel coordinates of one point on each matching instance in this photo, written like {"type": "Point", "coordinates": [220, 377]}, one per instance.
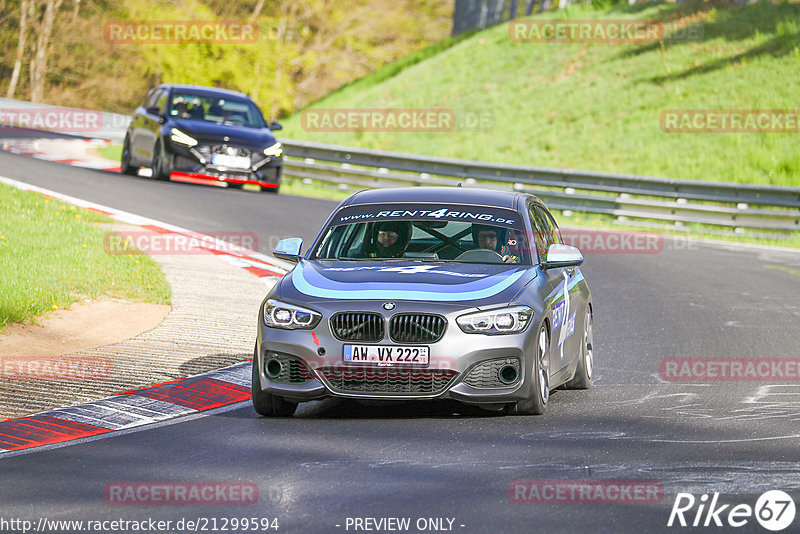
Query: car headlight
{"type": "Point", "coordinates": [275, 150]}
{"type": "Point", "coordinates": [279, 314]}
{"type": "Point", "coordinates": [181, 138]}
{"type": "Point", "coordinates": [501, 321]}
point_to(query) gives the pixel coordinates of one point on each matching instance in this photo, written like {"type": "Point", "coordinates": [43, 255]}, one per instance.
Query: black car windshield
{"type": "Point", "coordinates": [220, 110]}
{"type": "Point", "coordinates": [452, 234]}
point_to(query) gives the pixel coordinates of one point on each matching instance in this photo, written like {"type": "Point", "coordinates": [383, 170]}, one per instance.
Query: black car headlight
{"type": "Point", "coordinates": [274, 151]}
{"type": "Point", "coordinates": [279, 314]}
{"type": "Point", "coordinates": [510, 320]}
{"type": "Point", "coordinates": [182, 138]}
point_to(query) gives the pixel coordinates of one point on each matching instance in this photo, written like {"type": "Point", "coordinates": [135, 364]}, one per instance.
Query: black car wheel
{"type": "Point", "coordinates": [539, 375]}
{"type": "Point", "coordinates": [125, 160]}
{"type": "Point", "coordinates": [585, 368]}
{"type": "Point", "coordinates": [267, 404]}
{"type": "Point", "coordinates": [158, 164]}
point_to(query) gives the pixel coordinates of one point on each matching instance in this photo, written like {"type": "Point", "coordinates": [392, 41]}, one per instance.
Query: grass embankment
{"type": "Point", "coordinates": [111, 152]}
{"type": "Point", "coordinates": [597, 106]}
{"type": "Point", "coordinates": [52, 254]}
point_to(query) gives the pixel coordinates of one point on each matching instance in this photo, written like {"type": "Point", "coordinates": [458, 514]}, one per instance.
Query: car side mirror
{"type": "Point", "coordinates": [289, 249]}
{"type": "Point", "coordinates": [562, 256]}
{"type": "Point", "coordinates": [275, 126]}
{"type": "Point", "coordinates": [157, 112]}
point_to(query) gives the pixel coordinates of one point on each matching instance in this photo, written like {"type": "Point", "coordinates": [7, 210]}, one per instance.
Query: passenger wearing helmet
{"type": "Point", "coordinates": [493, 238]}
{"type": "Point", "coordinates": [389, 239]}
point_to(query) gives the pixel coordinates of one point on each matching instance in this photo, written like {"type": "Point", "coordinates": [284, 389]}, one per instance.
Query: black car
{"type": "Point", "coordinates": [203, 135]}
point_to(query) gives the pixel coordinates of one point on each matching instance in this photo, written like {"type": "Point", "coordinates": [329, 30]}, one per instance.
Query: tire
{"type": "Point", "coordinates": [158, 164]}
{"type": "Point", "coordinates": [125, 160]}
{"type": "Point", "coordinates": [278, 175]}
{"type": "Point", "coordinates": [267, 404]}
{"type": "Point", "coordinates": [585, 367]}
{"type": "Point", "coordinates": [539, 377]}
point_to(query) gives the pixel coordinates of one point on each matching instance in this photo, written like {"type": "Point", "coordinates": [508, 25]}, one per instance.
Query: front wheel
{"type": "Point", "coordinates": [585, 367]}
{"type": "Point", "coordinates": [539, 374]}
{"type": "Point", "coordinates": [267, 404]}
{"type": "Point", "coordinates": [159, 173]}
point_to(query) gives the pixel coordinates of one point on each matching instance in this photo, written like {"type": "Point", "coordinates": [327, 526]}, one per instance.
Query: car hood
{"type": "Point", "coordinates": [236, 134]}
{"type": "Point", "coordinates": [454, 283]}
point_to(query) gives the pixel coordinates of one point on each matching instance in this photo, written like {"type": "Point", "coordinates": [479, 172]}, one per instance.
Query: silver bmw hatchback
{"type": "Point", "coordinates": [427, 293]}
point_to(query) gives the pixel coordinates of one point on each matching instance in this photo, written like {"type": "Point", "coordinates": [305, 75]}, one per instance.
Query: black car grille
{"type": "Point", "coordinates": [352, 326]}
{"type": "Point", "coordinates": [229, 150]}
{"type": "Point", "coordinates": [382, 380]}
{"type": "Point", "coordinates": [208, 150]}
{"type": "Point", "coordinates": [416, 328]}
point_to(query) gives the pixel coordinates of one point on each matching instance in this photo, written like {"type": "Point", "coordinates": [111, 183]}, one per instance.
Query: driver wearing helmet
{"type": "Point", "coordinates": [180, 108]}
{"type": "Point", "coordinates": [493, 238]}
{"type": "Point", "coordinates": [389, 239]}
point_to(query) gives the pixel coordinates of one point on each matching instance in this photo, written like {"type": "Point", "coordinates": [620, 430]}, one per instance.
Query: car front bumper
{"type": "Point", "coordinates": [194, 165]}
{"type": "Point", "coordinates": [462, 367]}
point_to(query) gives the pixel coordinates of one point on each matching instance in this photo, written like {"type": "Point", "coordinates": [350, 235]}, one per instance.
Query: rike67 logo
{"type": "Point", "coordinates": [774, 510]}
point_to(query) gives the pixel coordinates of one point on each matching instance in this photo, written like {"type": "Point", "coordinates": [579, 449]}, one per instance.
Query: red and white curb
{"type": "Point", "coordinates": [128, 410]}
{"type": "Point", "coordinates": [161, 401]}
{"type": "Point", "coordinates": [70, 151]}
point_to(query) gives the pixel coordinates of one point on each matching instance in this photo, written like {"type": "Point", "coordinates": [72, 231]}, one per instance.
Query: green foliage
{"type": "Point", "coordinates": [304, 50]}
{"type": "Point", "coordinates": [597, 106]}
{"type": "Point", "coordinates": [52, 253]}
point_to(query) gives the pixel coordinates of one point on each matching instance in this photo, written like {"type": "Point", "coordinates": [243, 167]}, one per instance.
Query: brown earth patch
{"type": "Point", "coordinates": [86, 325]}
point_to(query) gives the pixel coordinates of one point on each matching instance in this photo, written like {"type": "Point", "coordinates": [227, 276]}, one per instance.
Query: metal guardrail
{"type": "Point", "coordinates": [75, 122]}
{"type": "Point", "coordinates": [628, 197]}
{"type": "Point", "coordinates": [622, 195]}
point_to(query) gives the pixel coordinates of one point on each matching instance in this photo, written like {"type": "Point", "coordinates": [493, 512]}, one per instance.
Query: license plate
{"type": "Point", "coordinates": [232, 162]}
{"type": "Point", "coordinates": [386, 356]}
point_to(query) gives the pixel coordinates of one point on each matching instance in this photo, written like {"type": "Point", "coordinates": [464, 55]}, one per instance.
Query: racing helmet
{"type": "Point", "coordinates": [401, 228]}
{"type": "Point", "coordinates": [499, 232]}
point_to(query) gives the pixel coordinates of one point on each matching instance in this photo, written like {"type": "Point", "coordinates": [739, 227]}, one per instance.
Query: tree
{"type": "Point", "coordinates": [25, 12]}
{"type": "Point", "coordinates": [42, 23]}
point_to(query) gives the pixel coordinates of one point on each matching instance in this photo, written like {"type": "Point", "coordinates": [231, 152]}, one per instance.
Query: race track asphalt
{"type": "Point", "coordinates": [340, 459]}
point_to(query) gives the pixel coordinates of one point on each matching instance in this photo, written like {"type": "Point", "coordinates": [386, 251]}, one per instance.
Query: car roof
{"type": "Point", "coordinates": [200, 89]}
{"type": "Point", "coordinates": [450, 195]}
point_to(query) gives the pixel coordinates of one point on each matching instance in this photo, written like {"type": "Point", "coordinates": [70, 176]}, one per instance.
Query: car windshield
{"type": "Point", "coordinates": [205, 108]}
{"type": "Point", "coordinates": [454, 234]}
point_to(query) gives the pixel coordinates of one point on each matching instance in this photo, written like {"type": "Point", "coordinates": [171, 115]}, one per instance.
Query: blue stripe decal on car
{"type": "Point", "coordinates": [438, 293]}
{"type": "Point", "coordinates": [559, 291]}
